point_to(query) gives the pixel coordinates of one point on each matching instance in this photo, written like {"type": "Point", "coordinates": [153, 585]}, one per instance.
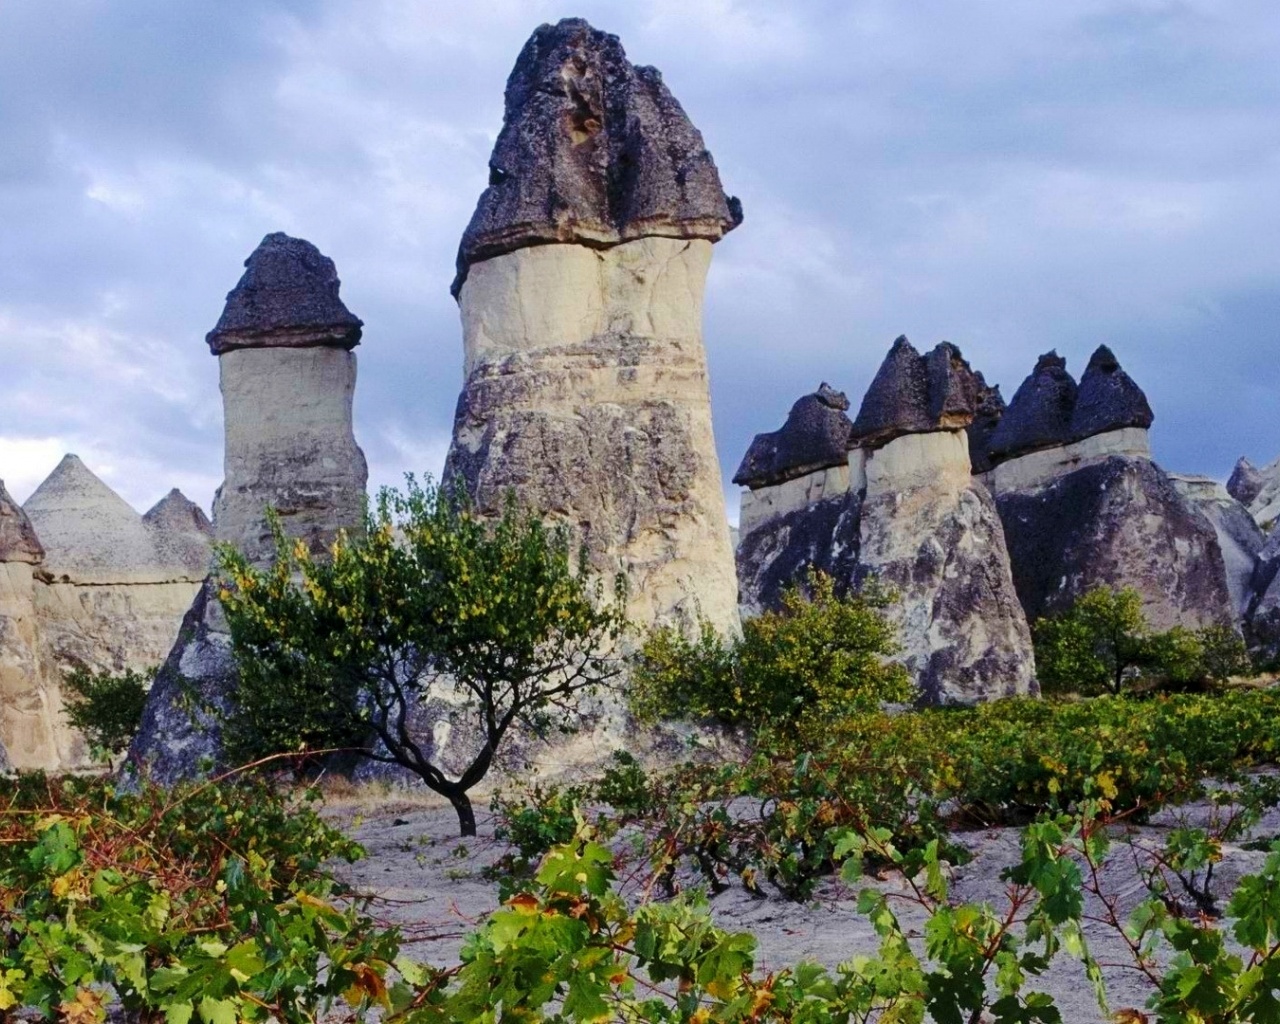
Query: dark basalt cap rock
{"type": "Point", "coordinates": [915, 394]}
{"type": "Point", "coordinates": [18, 540]}
{"type": "Point", "coordinates": [815, 436]}
{"type": "Point", "coordinates": [592, 150]}
{"type": "Point", "coordinates": [1040, 414]}
{"type": "Point", "coordinates": [1108, 399]}
{"type": "Point", "coordinates": [287, 298]}
{"type": "Point", "coordinates": [1246, 482]}
{"type": "Point", "coordinates": [990, 408]}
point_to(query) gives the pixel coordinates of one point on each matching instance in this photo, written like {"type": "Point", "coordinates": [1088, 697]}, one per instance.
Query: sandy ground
{"type": "Point", "coordinates": [431, 883]}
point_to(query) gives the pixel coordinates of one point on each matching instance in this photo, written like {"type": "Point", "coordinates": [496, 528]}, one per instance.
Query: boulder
{"type": "Point", "coordinates": [1117, 521]}
{"type": "Point", "coordinates": [288, 380]}
{"type": "Point", "coordinates": [1245, 482]}
{"type": "Point", "coordinates": [580, 287]}
{"type": "Point", "coordinates": [1108, 399]}
{"type": "Point", "coordinates": [815, 436]}
{"type": "Point", "coordinates": [1040, 414]}
{"type": "Point", "coordinates": [593, 151]}
{"type": "Point", "coordinates": [932, 533]}
{"type": "Point", "coordinates": [911, 393]}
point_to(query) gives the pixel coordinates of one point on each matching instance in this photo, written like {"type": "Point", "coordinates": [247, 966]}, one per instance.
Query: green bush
{"type": "Point", "coordinates": [1103, 644]}
{"type": "Point", "coordinates": [106, 707]}
{"type": "Point", "coordinates": [820, 656]}
{"type": "Point", "coordinates": [207, 902]}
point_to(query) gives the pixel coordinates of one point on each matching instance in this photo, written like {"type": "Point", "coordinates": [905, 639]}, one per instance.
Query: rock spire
{"type": "Point", "coordinates": [288, 379]}
{"type": "Point", "coordinates": [1108, 399]}
{"type": "Point", "coordinates": [1040, 414]}
{"type": "Point", "coordinates": [915, 394]}
{"type": "Point", "coordinates": [580, 287]}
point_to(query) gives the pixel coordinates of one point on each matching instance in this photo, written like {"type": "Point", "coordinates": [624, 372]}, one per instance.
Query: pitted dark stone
{"type": "Point", "coordinates": [990, 408]}
{"type": "Point", "coordinates": [287, 298]}
{"type": "Point", "coordinates": [593, 150]}
{"type": "Point", "coordinates": [815, 436]}
{"type": "Point", "coordinates": [1108, 399]}
{"type": "Point", "coordinates": [916, 394]}
{"type": "Point", "coordinates": [1040, 414]}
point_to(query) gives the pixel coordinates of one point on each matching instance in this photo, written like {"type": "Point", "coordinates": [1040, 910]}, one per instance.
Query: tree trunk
{"type": "Point", "coordinates": [466, 813]}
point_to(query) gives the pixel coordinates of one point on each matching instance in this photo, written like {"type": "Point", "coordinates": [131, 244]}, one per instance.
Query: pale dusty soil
{"type": "Point", "coordinates": [430, 883]}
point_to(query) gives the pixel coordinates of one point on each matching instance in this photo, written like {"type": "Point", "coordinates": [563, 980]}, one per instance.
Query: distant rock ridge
{"type": "Point", "coordinates": [914, 394]}
{"type": "Point", "coordinates": [593, 151]}
{"type": "Point", "coordinates": [815, 435]}
{"type": "Point", "coordinates": [288, 297]}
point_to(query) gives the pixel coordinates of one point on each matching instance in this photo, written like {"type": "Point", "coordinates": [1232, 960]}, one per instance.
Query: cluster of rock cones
{"type": "Point", "coordinates": [579, 281]}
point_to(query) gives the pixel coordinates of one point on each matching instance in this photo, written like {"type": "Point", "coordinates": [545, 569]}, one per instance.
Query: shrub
{"type": "Point", "coordinates": [106, 707]}
{"type": "Point", "coordinates": [209, 902]}
{"type": "Point", "coordinates": [818, 657]}
{"type": "Point", "coordinates": [431, 598]}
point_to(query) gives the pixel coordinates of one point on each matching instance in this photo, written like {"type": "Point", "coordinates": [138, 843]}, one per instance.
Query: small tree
{"type": "Point", "coordinates": [106, 707]}
{"type": "Point", "coordinates": [818, 657]}
{"type": "Point", "coordinates": [1091, 646]}
{"type": "Point", "coordinates": [432, 598]}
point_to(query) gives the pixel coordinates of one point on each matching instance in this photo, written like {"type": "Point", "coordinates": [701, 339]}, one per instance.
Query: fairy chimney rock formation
{"type": "Point", "coordinates": [1084, 505]}
{"type": "Point", "coordinates": [799, 511]}
{"type": "Point", "coordinates": [580, 283]}
{"type": "Point", "coordinates": [932, 533]}
{"type": "Point", "coordinates": [288, 379]}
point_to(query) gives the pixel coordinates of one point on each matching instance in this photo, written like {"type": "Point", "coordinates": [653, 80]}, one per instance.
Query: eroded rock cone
{"type": "Point", "coordinates": [815, 435]}
{"type": "Point", "coordinates": [1040, 414]}
{"type": "Point", "coordinates": [18, 540]}
{"type": "Point", "coordinates": [593, 150]}
{"type": "Point", "coordinates": [1108, 399]}
{"type": "Point", "coordinates": [183, 533]}
{"type": "Point", "coordinates": [580, 287]}
{"type": "Point", "coordinates": [288, 380]}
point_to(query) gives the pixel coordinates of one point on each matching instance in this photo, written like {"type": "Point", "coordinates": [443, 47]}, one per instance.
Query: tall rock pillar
{"type": "Point", "coordinates": [288, 378]}
{"type": "Point", "coordinates": [580, 282]}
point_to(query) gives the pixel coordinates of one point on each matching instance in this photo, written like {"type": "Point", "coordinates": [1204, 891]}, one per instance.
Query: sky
{"type": "Point", "coordinates": [1009, 175]}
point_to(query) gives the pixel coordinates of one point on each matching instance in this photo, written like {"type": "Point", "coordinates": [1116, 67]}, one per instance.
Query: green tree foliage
{"type": "Point", "coordinates": [105, 706]}
{"type": "Point", "coordinates": [820, 656]}
{"type": "Point", "coordinates": [1103, 643]}
{"type": "Point", "coordinates": [432, 599]}
{"type": "Point", "coordinates": [1091, 646]}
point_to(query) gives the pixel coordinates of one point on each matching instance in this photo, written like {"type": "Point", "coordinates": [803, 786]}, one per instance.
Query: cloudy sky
{"type": "Point", "coordinates": [1009, 175]}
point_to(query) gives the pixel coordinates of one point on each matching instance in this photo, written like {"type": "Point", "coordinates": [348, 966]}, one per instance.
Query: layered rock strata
{"type": "Point", "coordinates": [1083, 505]}
{"type": "Point", "coordinates": [288, 378]}
{"type": "Point", "coordinates": [580, 283]}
